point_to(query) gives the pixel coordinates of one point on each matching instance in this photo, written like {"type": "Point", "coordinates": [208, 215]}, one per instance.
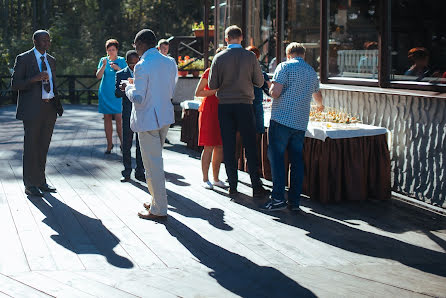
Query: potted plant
{"type": "Point", "coordinates": [183, 65]}
{"type": "Point", "coordinates": [195, 67]}
{"type": "Point", "coordinates": [198, 30]}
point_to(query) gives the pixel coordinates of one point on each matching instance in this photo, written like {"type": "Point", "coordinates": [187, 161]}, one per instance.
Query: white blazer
{"type": "Point", "coordinates": [152, 91]}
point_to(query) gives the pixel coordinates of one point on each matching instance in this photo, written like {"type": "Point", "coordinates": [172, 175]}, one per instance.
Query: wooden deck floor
{"type": "Point", "coordinates": [86, 239]}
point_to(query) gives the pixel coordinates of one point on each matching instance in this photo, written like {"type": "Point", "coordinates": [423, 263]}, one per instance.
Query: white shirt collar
{"type": "Point", "coordinates": [234, 46]}
{"type": "Point", "coordinates": [38, 54]}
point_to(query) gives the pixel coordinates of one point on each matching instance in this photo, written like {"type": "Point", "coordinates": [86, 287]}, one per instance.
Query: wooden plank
{"type": "Point", "coordinates": [154, 235]}
{"type": "Point", "coordinates": [86, 285]}
{"type": "Point", "coordinates": [33, 244]}
{"type": "Point", "coordinates": [48, 285]}
{"type": "Point", "coordinates": [53, 234]}
{"type": "Point", "coordinates": [13, 288]}
{"type": "Point", "coordinates": [129, 242]}
{"type": "Point", "coordinates": [92, 239]}
{"type": "Point", "coordinates": [12, 256]}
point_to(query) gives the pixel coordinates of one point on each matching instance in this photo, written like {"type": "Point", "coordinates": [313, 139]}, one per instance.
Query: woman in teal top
{"type": "Point", "coordinates": [109, 104]}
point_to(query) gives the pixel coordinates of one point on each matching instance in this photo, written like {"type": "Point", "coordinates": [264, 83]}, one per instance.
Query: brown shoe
{"type": "Point", "coordinates": [146, 205]}
{"type": "Point", "coordinates": [147, 215]}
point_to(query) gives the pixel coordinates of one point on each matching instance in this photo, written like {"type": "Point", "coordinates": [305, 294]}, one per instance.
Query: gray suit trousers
{"type": "Point", "coordinates": [38, 133]}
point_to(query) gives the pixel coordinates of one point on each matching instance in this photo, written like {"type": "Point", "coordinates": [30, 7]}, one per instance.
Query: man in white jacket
{"type": "Point", "coordinates": [152, 114]}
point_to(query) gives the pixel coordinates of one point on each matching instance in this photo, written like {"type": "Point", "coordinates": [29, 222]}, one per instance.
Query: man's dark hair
{"type": "Point", "coordinates": [147, 37]}
{"type": "Point", "coordinates": [39, 33]}
{"type": "Point", "coordinates": [130, 54]}
{"type": "Point", "coordinates": [233, 32]}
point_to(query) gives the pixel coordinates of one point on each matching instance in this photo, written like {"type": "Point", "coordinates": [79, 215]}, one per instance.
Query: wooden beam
{"type": "Point", "coordinates": [278, 33]}
{"type": "Point", "coordinates": [216, 22]}
{"type": "Point", "coordinates": [244, 22]}
{"type": "Point", "coordinates": [324, 22]}
{"type": "Point", "coordinates": [384, 43]}
{"type": "Point", "coordinates": [206, 34]}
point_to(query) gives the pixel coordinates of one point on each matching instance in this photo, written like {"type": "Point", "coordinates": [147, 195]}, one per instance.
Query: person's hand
{"type": "Point", "coordinates": [320, 108]}
{"type": "Point", "coordinates": [131, 80]}
{"type": "Point", "coordinates": [123, 85]}
{"type": "Point", "coordinates": [41, 76]}
{"type": "Point", "coordinates": [115, 66]}
{"type": "Point", "coordinates": [104, 61]}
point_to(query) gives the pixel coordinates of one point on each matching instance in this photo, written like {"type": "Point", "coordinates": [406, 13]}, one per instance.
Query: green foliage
{"type": "Point", "coordinates": [79, 28]}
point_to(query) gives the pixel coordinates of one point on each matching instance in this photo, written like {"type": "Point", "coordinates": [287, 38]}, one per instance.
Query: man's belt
{"type": "Point", "coordinates": [47, 100]}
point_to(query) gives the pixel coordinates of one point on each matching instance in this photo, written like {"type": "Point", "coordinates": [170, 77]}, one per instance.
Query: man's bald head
{"type": "Point", "coordinates": [41, 40]}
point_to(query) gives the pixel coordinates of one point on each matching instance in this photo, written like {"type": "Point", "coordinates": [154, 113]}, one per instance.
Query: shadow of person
{"type": "Point", "coordinates": [234, 272]}
{"type": "Point", "coordinates": [189, 208]}
{"type": "Point", "coordinates": [391, 216]}
{"type": "Point", "coordinates": [366, 243]}
{"type": "Point", "coordinates": [175, 179]}
{"type": "Point", "coordinates": [79, 233]}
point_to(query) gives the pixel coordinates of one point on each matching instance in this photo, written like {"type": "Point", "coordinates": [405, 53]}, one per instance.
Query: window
{"type": "Point", "coordinates": [418, 41]}
{"type": "Point", "coordinates": [353, 40]}
{"type": "Point", "coordinates": [302, 25]}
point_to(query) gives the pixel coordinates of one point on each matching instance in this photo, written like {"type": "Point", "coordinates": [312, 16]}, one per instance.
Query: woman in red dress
{"type": "Point", "coordinates": [209, 133]}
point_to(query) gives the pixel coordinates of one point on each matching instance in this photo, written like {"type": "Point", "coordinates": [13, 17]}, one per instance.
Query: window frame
{"type": "Point", "coordinates": [384, 50]}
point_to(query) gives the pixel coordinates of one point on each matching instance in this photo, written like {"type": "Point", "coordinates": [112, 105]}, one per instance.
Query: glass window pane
{"type": "Point", "coordinates": [353, 39]}
{"type": "Point", "coordinates": [418, 41]}
{"type": "Point", "coordinates": [260, 27]}
{"type": "Point", "coordinates": [302, 25]}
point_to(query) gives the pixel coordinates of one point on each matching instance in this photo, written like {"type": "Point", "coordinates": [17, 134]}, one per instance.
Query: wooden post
{"type": "Point", "coordinates": [324, 47]}
{"type": "Point", "coordinates": [216, 25]}
{"type": "Point", "coordinates": [384, 43]}
{"type": "Point", "coordinates": [244, 22]}
{"type": "Point", "coordinates": [278, 33]}
{"type": "Point", "coordinates": [72, 89]}
{"type": "Point", "coordinates": [206, 34]}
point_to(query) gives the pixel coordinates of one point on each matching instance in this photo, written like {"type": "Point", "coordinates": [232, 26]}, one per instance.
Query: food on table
{"type": "Point", "coordinates": [332, 115]}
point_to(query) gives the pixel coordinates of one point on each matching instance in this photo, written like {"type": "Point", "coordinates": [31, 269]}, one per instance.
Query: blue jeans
{"type": "Point", "coordinates": [281, 138]}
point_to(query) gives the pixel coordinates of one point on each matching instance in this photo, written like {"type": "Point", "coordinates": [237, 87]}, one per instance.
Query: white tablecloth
{"type": "Point", "coordinates": [318, 130]}
{"type": "Point", "coordinates": [323, 130]}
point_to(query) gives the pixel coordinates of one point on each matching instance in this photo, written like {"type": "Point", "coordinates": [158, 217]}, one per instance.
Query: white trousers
{"type": "Point", "coordinates": [151, 145]}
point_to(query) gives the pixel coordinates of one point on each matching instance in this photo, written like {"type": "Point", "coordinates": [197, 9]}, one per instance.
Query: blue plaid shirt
{"type": "Point", "coordinates": [299, 81]}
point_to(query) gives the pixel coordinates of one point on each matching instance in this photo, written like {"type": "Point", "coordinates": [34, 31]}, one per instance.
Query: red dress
{"type": "Point", "coordinates": [208, 126]}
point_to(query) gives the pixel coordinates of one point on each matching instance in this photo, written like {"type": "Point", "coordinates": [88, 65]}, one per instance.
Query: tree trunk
{"type": "Point", "coordinates": [19, 19]}
{"type": "Point", "coordinates": [34, 15]}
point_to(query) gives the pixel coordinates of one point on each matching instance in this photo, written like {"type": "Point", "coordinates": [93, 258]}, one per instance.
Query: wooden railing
{"type": "Point", "coordinates": [73, 88]}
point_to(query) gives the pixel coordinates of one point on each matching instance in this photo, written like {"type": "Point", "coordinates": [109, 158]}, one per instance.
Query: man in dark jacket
{"type": "Point", "coordinates": [234, 72]}
{"type": "Point", "coordinates": [34, 78]}
{"type": "Point", "coordinates": [127, 134]}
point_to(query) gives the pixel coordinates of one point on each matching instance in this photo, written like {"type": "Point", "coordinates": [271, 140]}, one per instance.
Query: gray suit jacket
{"type": "Point", "coordinates": [29, 100]}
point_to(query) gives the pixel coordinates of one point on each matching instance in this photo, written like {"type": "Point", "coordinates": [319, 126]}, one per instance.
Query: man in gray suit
{"type": "Point", "coordinates": [34, 78]}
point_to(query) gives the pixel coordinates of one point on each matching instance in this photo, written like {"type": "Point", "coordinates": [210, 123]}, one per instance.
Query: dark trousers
{"type": "Point", "coordinates": [127, 139]}
{"type": "Point", "coordinates": [233, 118]}
{"type": "Point", "coordinates": [38, 133]}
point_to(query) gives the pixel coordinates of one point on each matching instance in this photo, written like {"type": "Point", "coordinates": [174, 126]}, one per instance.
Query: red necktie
{"type": "Point", "coordinates": [45, 83]}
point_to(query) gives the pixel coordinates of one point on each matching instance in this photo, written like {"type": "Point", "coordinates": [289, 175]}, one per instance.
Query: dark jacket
{"type": "Point", "coordinates": [234, 72]}
{"type": "Point", "coordinates": [123, 74]}
{"type": "Point", "coordinates": [29, 99]}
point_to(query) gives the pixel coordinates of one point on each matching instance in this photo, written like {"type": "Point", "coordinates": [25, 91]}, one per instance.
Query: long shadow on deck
{"type": "Point", "coordinates": [234, 272]}
{"type": "Point", "coordinates": [352, 239]}
{"type": "Point", "coordinates": [79, 233]}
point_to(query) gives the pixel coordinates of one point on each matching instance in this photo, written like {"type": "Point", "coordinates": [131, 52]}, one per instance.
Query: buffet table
{"type": "Point", "coordinates": [342, 161]}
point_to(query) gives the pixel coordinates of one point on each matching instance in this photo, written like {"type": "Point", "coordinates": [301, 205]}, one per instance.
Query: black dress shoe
{"type": "Point", "coordinates": [33, 191]}
{"type": "Point", "coordinates": [141, 178]}
{"type": "Point", "coordinates": [233, 191]}
{"type": "Point", "coordinates": [125, 179]}
{"type": "Point", "coordinates": [47, 188]}
{"type": "Point", "coordinates": [260, 192]}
